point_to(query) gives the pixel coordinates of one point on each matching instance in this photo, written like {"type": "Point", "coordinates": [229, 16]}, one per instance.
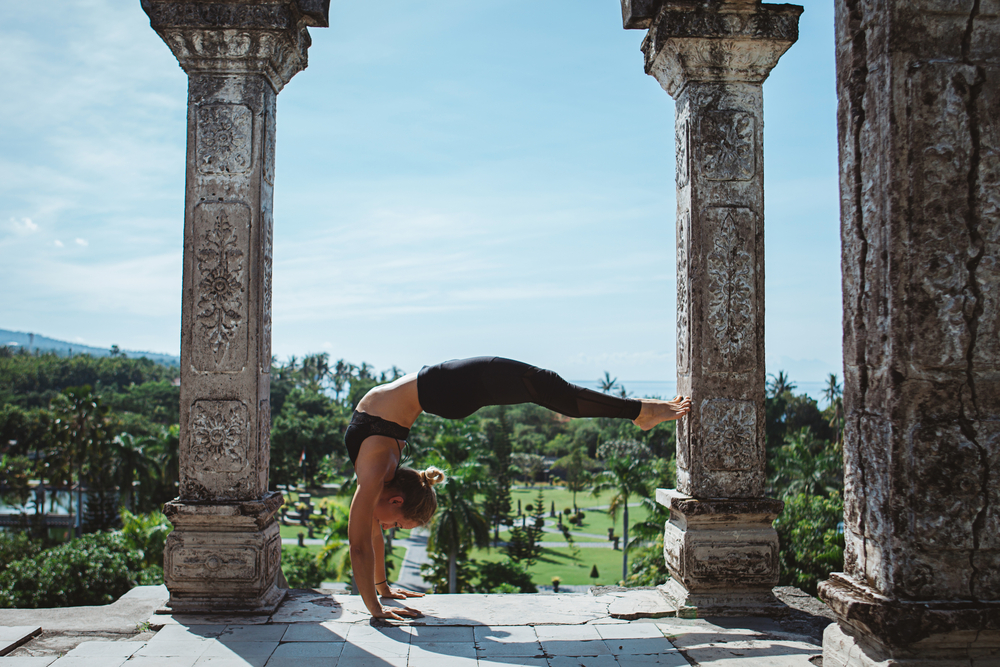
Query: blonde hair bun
{"type": "Point", "coordinates": [432, 476]}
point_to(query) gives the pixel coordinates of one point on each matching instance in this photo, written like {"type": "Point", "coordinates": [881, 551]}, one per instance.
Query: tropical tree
{"type": "Point", "coordinates": [778, 384]}
{"type": "Point", "coordinates": [607, 383]}
{"type": "Point", "coordinates": [577, 467]}
{"type": "Point", "coordinates": [458, 525]}
{"type": "Point", "coordinates": [529, 465]}
{"type": "Point", "coordinates": [807, 465]}
{"type": "Point", "coordinates": [627, 474]}
{"type": "Point", "coordinates": [834, 393]}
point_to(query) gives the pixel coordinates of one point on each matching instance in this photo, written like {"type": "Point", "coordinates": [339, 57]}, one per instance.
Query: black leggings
{"type": "Point", "coordinates": [457, 388]}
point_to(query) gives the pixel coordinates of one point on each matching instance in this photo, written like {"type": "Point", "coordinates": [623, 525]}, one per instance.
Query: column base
{"type": "Point", "coordinates": [722, 554]}
{"type": "Point", "coordinates": [874, 630]}
{"type": "Point", "coordinates": [223, 557]}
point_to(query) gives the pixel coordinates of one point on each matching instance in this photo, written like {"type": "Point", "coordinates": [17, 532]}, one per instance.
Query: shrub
{"type": "Point", "coordinates": [15, 546]}
{"type": "Point", "coordinates": [147, 534]}
{"type": "Point", "coordinates": [92, 570]}
{"type": "Point", "coordinates": [811, 539]}
{"type": "Point", "coordinates": [505, 573]}
{"type": "Point", "coordinates": [301, 568]}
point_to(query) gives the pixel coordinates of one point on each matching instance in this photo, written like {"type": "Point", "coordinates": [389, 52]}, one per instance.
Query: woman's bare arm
{"type": "Point", "coordinates": [373, 465]}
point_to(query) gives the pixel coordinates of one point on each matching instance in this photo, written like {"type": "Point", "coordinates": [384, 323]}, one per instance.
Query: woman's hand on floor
{"type": "Point", "coordinates": [397, 613]}
{"type": "Point", "coordinates": [400, 594]}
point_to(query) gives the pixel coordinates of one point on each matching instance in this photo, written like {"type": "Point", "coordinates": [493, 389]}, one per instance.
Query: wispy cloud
{"type": "Point", "coordinates": [22, 226]}
{"type": "Point", "coordinates": [82, 242]}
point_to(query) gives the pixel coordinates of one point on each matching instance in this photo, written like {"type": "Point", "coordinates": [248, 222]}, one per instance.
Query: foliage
{"type": "Point", "coordinates": [91, 570]}
{"type": "Point", "coordinates": [147, 535]}
{"type": "Point", "coordinates": [500, 576]}
{"type": "Point", "coordinates": [628, 474]}
{"type": "Point", "coordinates": [302, 569]}
{"type": "Point", "coordinates": [458, 524]}
{"type": "Point", "coordinates": [436, 573]}
{"type": "Point", "coordinates": [648, 566]}
{"type": "Point", "coordinates": [15, 546]}
{"type": "Point", "coordinates": [812, 540]}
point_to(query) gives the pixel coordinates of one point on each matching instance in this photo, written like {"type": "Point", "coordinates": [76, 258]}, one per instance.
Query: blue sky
{"type": "Point", "coordinates": [452, 179]}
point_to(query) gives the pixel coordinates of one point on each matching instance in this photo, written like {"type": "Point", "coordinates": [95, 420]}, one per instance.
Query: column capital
{"type": "Point", "coordinates": [267, 37]}
{"type": "Point", "coordinates": [737, 41]}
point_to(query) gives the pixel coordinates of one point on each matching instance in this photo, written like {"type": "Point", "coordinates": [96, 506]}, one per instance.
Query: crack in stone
{"type": "Point", "coordinates": [967, 422]}
{"type": "Point", "coordinates": [857, 88]}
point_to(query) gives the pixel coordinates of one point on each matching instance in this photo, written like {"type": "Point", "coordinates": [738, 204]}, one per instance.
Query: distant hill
{"type": "Point", "coordinates": [32, 342]}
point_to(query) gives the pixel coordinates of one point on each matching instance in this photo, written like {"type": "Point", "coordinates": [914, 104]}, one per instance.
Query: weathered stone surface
{"type": "Point", "coordinates": [919, 138]}
{"type": "Point", "coordinates": [722, 554]}
{"type": "Point", "coordinates": [712, 58]}
{"type": "Point", "coordinates": [224, 554]}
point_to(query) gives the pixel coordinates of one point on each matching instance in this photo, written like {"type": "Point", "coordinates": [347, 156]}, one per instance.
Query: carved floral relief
{"type": "Point", "coordinates": [683, 299]}
{"type": "Point", "coordinates": [220, 288]}
{"type": "Point", "coordinates": [224, 139]}
{"type": "Point", "coordinates": [729, 429]}
{"type": "Point", "coordinates": [731, 285]}
{"type": "Point", "coordinates": [219, 438]}
{"type": "Point", "coordinates": [727, 145]}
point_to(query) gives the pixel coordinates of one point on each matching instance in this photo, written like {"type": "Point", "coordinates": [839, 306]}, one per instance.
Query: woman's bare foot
{"type": "Point", "coordinates": [653, 411]}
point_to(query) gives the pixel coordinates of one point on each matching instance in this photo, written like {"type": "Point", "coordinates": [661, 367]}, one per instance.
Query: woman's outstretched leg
{"type": "Point", "coordinates": [457, 388]}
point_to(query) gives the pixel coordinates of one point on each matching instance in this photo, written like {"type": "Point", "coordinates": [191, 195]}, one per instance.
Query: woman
{"type": "Point", "coordinates": [389, 496]}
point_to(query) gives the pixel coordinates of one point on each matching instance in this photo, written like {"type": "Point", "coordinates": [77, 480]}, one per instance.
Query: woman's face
{"type": "Point", "coordinates": [389, 512]}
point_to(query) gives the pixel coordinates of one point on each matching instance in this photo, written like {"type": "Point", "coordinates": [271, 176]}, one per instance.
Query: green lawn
{"type": "Point", "coordinates": [572, 571]}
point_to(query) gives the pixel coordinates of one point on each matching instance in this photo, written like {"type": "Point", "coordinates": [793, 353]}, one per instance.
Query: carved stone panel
{"type": "Point", "coordinates": [264, 420]}
{"type": "Point", "coordinates": [267, 232]}
{"type": "Point", "coordinates": [683, 292]}
{"type": "Point", "coordinates": [682, 143]}
{"type": "Point", "coordinates": [209, 563]}
{"type": "Point", "coordinates": [743, 562]}
{"type": "Point", "coordinates": [224, 139]}
{"type": "Point", "coordinates": [731, 289]}
{"type": "Point", "coordinates": [729, 434]}
{"type": "Point", "coordinates": [221, 278]}
{"type": "Point", "coordinates": [727, 145]}
{"type": "Point", "coordinates": [219, 438]}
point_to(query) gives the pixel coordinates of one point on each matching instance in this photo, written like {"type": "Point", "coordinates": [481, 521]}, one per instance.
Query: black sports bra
{"type": "Point", "coordinates": [364, 425]}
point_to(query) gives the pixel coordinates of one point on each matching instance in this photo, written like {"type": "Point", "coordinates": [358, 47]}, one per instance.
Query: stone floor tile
{"type": "Point", "coordinates": [628, 630]}
{"type": "Point", "coordinates": [153, 661]}
{"type": "Point", "coordinates": [207, 619]}
{"type": "Point", "coordinates": [91, 661]}
{"type": "Point", "coordinates": [445, 649]}
{"type": "Point", "coordinates": [181, 648]}
{"type": "Point", "coordinates": [567, 632]}
{"type": "Point", "coordinates": [555, 647]}
{"type": "Point", "coordinates": [253, 633]}
{"type": "Point", "coordinates": [639, 646]}
{"type": "Point", "coordinates": [309, 650]}
{"type": "Point", "coordinates": [105, 648]}
{"type": "Point", "coordinates": [422, 634]}
{"type": "Point", "coordinates": [188, 633]}
{"type": "Point", "coordinates": [672, 659]}
{"type": "Point", "coordinates": [242, 661]}
{"type": "Point", "coordinates": [530, 649]}
{"type": "Point", "coordinates": [419, 657]}
{"type": "Point", "coordinates": [369, 660]}
{"type": "Point", "coordinates": [513, 661]}
{"type": "Point", "coordinates": [380, 650]}
{"type": "Point", "coordinates": [583, 661]}
{"type": "Point", "coordinates": [316, 632]}
{"type": "Point", "coordinates": [239, 649]}
{"type": "Point", "coordinates": [368, 633]}
{"type": "Point", "coordinates": [302, 662]}
{"type": "Point", "coordinates": [28, 661]}
{"type": "Point", "coordinates": [737, 653]}
{"type": "Point", "coordinates": [504, 634]}
{"type": "Point", "coordinates": [12, 636]}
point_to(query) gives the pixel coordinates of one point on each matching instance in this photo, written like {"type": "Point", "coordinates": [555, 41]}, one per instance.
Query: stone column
{"type": "Point", "coordinates": [919, 131]}
{"type": "Point", "coordinates": [712, 58]}
{"type": "Point", "coordinates": [224, 553]}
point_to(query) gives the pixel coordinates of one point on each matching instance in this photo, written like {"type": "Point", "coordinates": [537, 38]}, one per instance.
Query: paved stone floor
{"type": "Point", "coordinates": [312, 629]}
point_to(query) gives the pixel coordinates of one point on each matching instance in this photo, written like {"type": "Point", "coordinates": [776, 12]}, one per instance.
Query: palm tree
{"type": "Point", "coordinates": [458, 524]}
{"type": "Point", "coordinates": [807, 465]}
{"type": "Point", "coordinates": [779, 384]}
{"type": "Point", "coordinates": [627, 474]}
{"type": "Point", "coordinates": [833, 389]}
{"type": "Point", "coordinates": [608, 383]}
